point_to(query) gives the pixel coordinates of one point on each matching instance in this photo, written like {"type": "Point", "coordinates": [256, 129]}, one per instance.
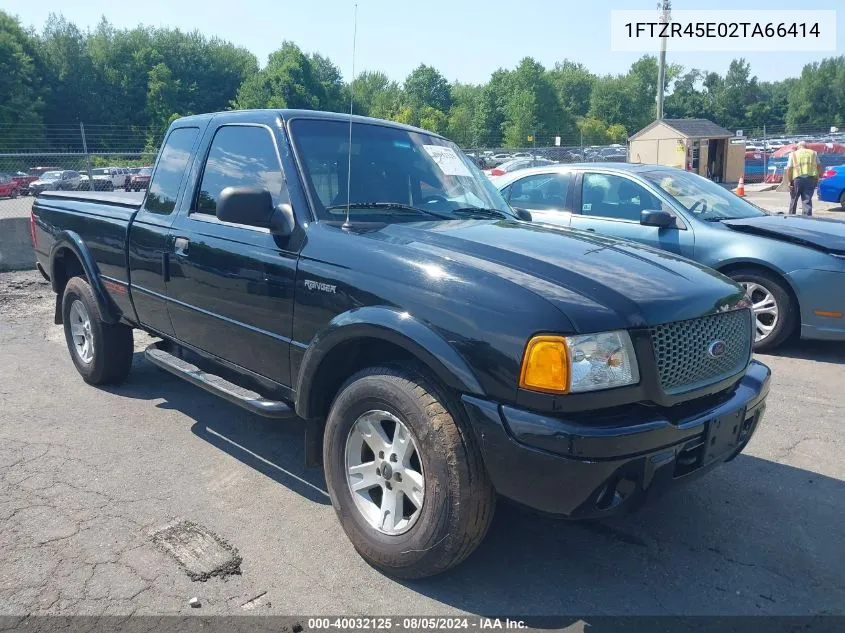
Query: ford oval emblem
{"type": "Point", "coordinates": [717, 349]}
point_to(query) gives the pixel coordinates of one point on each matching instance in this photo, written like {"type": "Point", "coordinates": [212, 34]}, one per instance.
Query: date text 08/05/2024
{"type": "Point", "coordinates": [414, 623]}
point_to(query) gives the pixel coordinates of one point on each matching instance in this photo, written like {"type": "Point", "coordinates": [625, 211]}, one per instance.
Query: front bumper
{"type": "Point", "coordinates": [822, 290]}
{"type": "Point", "coordinates": [594, 466]}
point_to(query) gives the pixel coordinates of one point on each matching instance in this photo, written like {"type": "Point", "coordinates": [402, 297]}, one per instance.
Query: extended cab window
{"type": "Point", "coordinates": [240, 156]}
{"type": "Point", "coordinates": [170, 169]}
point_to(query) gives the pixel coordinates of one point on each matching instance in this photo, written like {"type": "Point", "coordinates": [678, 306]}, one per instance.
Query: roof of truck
{"type": "Point", "coordinates": [288, 114]}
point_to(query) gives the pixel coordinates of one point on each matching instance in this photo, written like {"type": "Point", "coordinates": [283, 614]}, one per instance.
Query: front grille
{"type": "Point", "coordinates": [682, 350]}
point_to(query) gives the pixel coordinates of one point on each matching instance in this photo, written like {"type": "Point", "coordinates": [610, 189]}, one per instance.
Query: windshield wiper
{"type": "Point", "coordinates": [493, 213]}
{"type": "Point", "coordinates": [389, 205]}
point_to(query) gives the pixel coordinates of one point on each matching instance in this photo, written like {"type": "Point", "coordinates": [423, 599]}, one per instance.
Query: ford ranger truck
{"type": "Point", "coordinates": [439, 349]}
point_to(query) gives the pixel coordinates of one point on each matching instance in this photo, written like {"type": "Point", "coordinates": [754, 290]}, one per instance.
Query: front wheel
{"type": "Point", "coordinates": [404, 475]}
{"type": "Point", "coordinates": [774, 310]}
{"type": "Point", "coordinates": [102, 352]}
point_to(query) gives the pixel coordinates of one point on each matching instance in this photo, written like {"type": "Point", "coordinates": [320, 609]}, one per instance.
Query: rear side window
{"type": "Point", "coordinates": [170, 170]}
{"type": "Point", "coordinates": [240, 156]}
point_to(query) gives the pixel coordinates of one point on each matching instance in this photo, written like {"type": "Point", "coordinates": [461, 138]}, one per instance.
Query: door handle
{"type": "Point", "coordinates": [180, 245]}
{"type": "Point", "coordinates": [590, 230]}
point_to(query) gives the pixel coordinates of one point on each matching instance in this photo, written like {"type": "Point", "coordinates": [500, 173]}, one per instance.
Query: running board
{"type": "Point", "coordinates": [221, 387]}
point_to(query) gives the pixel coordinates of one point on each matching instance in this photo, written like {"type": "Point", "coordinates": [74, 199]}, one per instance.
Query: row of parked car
{"type": "Point", "coordinates": [770, 145]}
{"type": "Point", "coordinates": [40, 179]}
{"type": "Point", "coordinates": [489, 159]}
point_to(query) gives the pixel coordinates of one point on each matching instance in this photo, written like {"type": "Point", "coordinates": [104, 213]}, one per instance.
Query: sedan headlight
{"type": "Point", "coordinates": [573, 364]}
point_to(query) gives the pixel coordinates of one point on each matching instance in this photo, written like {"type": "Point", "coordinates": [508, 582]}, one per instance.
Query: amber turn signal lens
{"type": "Point", "coordinates": [545, 366]}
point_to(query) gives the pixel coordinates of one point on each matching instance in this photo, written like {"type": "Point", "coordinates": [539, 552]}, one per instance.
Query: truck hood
{"type": "Point", "coordinates": [824, 234]}
{"type": "Point", "coordinates": [599, 283]}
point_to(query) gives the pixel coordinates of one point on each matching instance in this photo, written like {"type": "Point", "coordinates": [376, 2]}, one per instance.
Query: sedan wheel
{"type": "Point", "coordinates": [384, 472]}
{"type": "Point", "coordinates": [776, 312]}
{"type": "Point", "coordinates": [765, 307]}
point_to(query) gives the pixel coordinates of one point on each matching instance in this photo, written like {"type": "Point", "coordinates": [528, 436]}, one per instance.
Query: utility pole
{"type": "Point", "coordinates": [665, 6]}
{"type": "Point", "coordinates": [87, 157]}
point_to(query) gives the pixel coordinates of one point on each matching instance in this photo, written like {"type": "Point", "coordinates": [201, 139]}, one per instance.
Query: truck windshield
{"type": "Point", "coordinates": [51, 175]}
{"type": "Point", "coordinates": [395, 174]}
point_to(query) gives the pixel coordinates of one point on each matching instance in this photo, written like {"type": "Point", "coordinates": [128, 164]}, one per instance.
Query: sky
{"type": "Point", "coordinates": [466, 40]}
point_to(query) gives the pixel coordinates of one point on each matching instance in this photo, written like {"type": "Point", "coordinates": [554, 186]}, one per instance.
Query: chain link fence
{"type": "Point", "coordinates": [24, 174]}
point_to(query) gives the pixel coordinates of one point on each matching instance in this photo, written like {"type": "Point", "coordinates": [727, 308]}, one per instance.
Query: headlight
{"type": "Point", "coordinates": [572, 364]}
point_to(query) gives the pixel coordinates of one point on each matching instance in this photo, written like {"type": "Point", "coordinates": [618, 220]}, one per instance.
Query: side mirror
{"type": "Point", "coordinates": [253, 206]}
{"type": "Point", "coordinates": [660, 219]}
{"type": "Point", "coordinates": [523, 214]}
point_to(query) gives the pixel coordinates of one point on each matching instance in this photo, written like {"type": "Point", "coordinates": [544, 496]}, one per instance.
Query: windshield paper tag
{"type": "Point", "coordinates": [448, 161]}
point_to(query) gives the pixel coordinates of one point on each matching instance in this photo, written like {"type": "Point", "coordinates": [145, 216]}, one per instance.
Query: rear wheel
{"type": "Point", "coordinates": [14, 194]}
{"type": "Point", "coordinates": [775, 312]}
{"type": "Point", "coordinates": [405, 478]}
{"type": "Point", "coordinates": [842, 199]}
{"type": "Point", "coordinates": [102, 352]}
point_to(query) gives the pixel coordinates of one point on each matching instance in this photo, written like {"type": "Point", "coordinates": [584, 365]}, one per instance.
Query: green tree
{"type": "Point", "coordinates": [617, 133]}
{"type": "Point", "coordinates": [288, 81]}
{"type": "Point", "coordinates": [817, 97]}
{"type": "Point", "coordinates": [434, 120]}
{"type": "Point", "coordinates": [162, 95]}
{"type": "Point", "coordinates": [20, 81]}
{"type": "Point", "coordinates": [593, 131]}
{"type": "Point", "coordinates": [521, 119]}
{"type": "Point", "coordinates": [327, 74]}
{"type": "Point", "coordinates": [737, 91]}
{"type": "Point", "coordinates": [573, 84]}
{"type": "Point", "coordinates": [427, 87]}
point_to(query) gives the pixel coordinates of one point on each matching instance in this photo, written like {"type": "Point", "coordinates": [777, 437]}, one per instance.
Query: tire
{"type": "Point", "coordinates": [457, 498]}
{"type": "Point", "coordinates": [787, 310]}
{"type": "Point", "coordinates": [111, 358]}
{"type": "Point", "coordinates": [842, 199]}
{"type": "Point", "coordinates": [14, 194]}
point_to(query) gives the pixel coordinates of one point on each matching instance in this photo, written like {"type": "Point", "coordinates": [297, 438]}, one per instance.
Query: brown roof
{"type": "Point", "coordinates": [691, 128]}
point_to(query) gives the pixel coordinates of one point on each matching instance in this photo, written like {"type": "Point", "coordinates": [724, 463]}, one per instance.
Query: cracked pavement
{"type": "Point", "coordinates": [88, 474]}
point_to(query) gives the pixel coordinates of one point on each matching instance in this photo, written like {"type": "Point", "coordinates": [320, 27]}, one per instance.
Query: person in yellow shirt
{"type": "Point", "coordinates": [802, 174]}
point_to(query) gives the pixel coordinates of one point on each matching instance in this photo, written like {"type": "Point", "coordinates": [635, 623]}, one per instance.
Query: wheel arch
{"type": "Point", "coordinates": [732, 267]}
{"type": "Point", "coordinates": [366, 336]}
{"type": "Point", "coordinates": [70, 257]}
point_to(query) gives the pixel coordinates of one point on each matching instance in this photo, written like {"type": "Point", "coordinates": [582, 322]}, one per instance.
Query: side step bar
{"type": "Point", "coordinates": [235, 394]}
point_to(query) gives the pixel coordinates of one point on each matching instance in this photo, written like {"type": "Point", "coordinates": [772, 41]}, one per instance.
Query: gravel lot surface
{"type": "Point", "coordinates": [88, 476]}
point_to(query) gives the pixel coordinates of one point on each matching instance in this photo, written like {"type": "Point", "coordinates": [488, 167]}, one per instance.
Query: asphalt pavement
{"type": "Point", "coordinates": [89, 477]}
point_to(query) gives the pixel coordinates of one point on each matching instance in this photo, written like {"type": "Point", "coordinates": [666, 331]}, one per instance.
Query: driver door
{"type": "Point", "coordinates": [611, 204]}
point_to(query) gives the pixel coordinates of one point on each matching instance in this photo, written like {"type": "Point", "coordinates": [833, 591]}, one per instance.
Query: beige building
{"type": "Point", "coordinates": [697, 145]}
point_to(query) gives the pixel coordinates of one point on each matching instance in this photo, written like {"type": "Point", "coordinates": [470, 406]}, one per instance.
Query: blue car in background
{"type": "Point", "coordinates": [792, 267]}
{"type": "Point", "coordinates": [832, 185]}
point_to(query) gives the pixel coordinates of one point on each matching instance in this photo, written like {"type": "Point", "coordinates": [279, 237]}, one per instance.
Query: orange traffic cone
{"type": "Point", "coordinates": [740, 188]}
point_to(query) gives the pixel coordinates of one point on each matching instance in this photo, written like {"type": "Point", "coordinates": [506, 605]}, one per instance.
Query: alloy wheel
{"type": "Point", "coordinates": [384, 472]}
{"type": "Point", "coordinates": [765, 308]}
{"type": "Point", "coordinates": [80, 329]}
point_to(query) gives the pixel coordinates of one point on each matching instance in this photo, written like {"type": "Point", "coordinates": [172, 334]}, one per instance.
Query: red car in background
{"type": "Point", "coordinates": [34, 174]}
{"type": "Point", "coordinates": [141, 180]}
{"type": "Point", "coordinates": [8, 187]}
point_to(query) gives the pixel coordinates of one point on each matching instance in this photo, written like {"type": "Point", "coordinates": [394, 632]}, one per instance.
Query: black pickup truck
{"type": "Point", "coordinates": [366, 278]}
